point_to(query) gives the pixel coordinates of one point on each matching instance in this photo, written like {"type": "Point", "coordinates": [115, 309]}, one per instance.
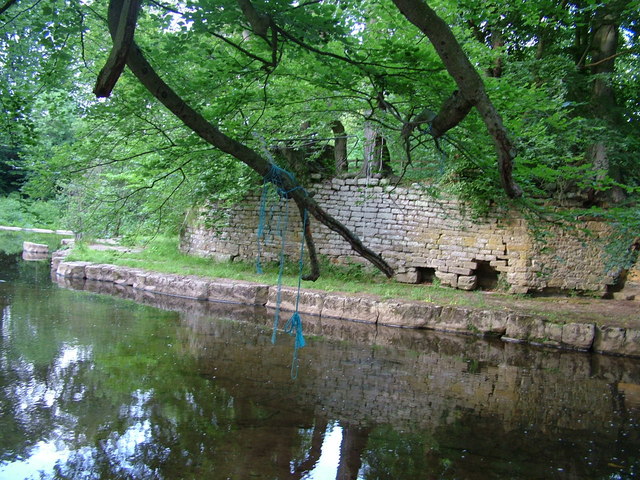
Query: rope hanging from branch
{"type": "Point", "coordinates": [279, 178]}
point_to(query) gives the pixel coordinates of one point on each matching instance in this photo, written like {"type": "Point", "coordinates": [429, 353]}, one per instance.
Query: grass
{"type": "Point", "coordinates": [163, 255]}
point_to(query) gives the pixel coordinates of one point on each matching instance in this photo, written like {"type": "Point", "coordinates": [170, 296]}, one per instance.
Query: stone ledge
{"type": "Point", "coordinates": [510, 326]}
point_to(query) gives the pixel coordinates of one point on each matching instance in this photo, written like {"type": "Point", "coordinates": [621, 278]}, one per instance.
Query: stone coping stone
{"type": "Point", "coordinates": [35, 247]}
{"type": "Point", "coordinates": [510, 326]}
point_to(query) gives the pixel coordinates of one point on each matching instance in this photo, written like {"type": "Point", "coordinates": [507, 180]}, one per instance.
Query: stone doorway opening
{"type": "Point", "coordinates": [426, 275]}
{"type": "Point", "coordinates": [488, 277]}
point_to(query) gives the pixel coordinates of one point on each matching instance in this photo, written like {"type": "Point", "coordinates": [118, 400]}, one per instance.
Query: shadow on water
{"type": "Point", "coordinates": [95, 386]}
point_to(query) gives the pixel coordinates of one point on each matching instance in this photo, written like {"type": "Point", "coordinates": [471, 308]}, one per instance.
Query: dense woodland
{"type": "Point", "coordinates": [125, 113]}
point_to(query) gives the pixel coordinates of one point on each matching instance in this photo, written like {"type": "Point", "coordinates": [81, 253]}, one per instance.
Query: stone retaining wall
{"type": "Point", "coordinates": [424, 238]}
{"type": "Point", "coordinates": [508, 325]}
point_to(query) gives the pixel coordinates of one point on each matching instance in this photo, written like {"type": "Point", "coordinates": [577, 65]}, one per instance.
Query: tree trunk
{"type": "Point", "coordinates": [604, 46]}
{"type": "Point", "coordinates": [340, 147]}
{"type": "Point", "coordinates": [376, 153]}
{"type": "Point", "coordinates": [145, 73]}
{"type": "Point", "coordinates": [354, 441]}
{"type": "Point", "coordinates": [470, 85]}
{"type": "Point", "coordinates": [497, 41]}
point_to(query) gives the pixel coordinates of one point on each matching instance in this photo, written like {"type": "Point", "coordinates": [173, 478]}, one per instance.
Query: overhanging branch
{"type": "Point", "coordinates": [7, 5]}
{"type": "Point", "coordinates": [148, 77]}
{"type": "Point", "coordinates": [470, 85]}
{"type": "Point", "coordinates": [122, 40]}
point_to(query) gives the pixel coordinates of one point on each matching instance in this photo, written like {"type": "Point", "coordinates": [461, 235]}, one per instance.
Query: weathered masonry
{"type": "Point", "coordinates": [425, 239]}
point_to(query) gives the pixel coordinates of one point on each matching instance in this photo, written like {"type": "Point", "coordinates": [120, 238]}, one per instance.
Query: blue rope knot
{"type": "Point", "coordinates": [294, 327]}
{"type": "Point", "coordinates": [276, 176]}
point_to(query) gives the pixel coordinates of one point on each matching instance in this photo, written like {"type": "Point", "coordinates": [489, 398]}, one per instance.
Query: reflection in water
{"type": "Point", "coordinates": [93, 386]}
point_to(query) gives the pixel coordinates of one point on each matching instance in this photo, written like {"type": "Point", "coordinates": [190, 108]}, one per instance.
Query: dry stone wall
{"type": "Point", "coordinates": [424, 238]}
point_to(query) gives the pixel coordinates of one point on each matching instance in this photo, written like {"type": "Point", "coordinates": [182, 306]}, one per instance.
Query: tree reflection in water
{"type": "Point", "coordinates": [99, 387]}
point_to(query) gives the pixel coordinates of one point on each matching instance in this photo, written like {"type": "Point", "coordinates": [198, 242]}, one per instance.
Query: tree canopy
{"type": "Point", "coordinates": [536, 100]}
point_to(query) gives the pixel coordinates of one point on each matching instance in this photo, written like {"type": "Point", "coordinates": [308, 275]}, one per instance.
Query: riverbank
{"type": "Point", "coordinates": [508, 324]}
{"type": "Point", "coordinates": [66, 233]}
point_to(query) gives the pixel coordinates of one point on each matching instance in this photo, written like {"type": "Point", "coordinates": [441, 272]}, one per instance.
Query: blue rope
{"type": "Point", "coordinates": [294, 325]}
{"type": "Point", "coordinates": [278, 177]}
{"type": "Point", "coordinates": [282, 228]}
{"type": "Point", "coordinates": [274, 176]}
{"type": "Point", "coordinates": [261, 223]}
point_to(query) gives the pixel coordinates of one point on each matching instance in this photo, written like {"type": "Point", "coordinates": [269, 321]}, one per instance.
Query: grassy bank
{"type": "Point", "coordinates": [162, 255]}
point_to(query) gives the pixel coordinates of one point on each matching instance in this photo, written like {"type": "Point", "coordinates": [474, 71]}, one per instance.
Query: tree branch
{"type": "Point", "coordinates": [7, 5]}
{"type": "Point", "coordinates": [610, 57]}
{"type": "Point", "coordinates": [148, 77]}
{"type": "Point", "coordinates": [470, 85]}
{"type": "Point", "coordinates": [259, 23]}
{"type": "Point", "coordinates": [244, 51]}
{"type": "Point", "coordinates": [122, 41]}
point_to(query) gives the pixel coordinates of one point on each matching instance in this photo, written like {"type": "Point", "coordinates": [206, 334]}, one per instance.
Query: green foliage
{"type": "Point", "coordinates": [123, 166]}
{"type": "Point", "coordinates": [16, 211]}
{"type": "Point", "coordinates": [11, 177]}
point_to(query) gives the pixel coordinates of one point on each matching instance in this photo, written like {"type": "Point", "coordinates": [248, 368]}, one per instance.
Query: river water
{"type": "Point", "coordinates": [98, 384]}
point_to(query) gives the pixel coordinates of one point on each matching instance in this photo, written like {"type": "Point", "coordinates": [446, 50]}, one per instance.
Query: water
{"type": "Point", "coordinates": [97, 386]}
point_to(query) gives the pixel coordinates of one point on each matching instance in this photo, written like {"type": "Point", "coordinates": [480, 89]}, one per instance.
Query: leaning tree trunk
{"type": "Point", "coordinates": [148, 77]}
{"type": "Point", "coordinates": [472, 91]}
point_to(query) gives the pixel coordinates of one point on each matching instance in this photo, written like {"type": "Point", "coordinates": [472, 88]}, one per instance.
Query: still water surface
{"type": "Point", "coordinates": [97, 386]}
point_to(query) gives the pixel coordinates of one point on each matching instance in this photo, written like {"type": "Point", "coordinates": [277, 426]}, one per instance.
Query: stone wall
{"type": "Point", "coordinates": [425, 239]}
{"type": "Point", "coordinates": [510, 326]}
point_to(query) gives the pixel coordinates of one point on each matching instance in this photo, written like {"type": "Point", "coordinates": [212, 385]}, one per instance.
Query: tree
{"type": "Point", "coordinates": [122, 20]}
{"type": "Point", "coordinates": [244, 75]}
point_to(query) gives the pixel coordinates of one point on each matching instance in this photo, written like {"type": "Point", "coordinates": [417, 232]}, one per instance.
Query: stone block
{"type": "Point", "coordinates": [72, 269]}
{"type": "Point", "coordinates": [127, 276]}
{"type": "Point", "coordinates": [461, 271]}
{"type": "Point", "coordinates": [488, 322]}
{"type": "Point", "coordinates": [632, 343]}
{"type": "Point", "coordinates": [467, 282]}
{"type": "Point", "coordinates": [410, 276]}
{"type": "Point", "coordinates": [447, 279]}
{"type": "Point", "coordinates": [609, 339]}
{"type": "Point", "coordinates": [250, 293]}
{"type": "Point", "coordinates": [309, 302]}
{"type": "Point", "coordinates": [525, 328]}
{"type": "Point", "coordinates": [454, 319]}
{"type": "Point", "coordinates": [35, 247]}
{"type": "Point", "coordinates": [409, 314]}
{"type": "Point", "coordinates": [623, 295]}
{"type": "Point", "coordinates": [579, 336]}
{"type": "Point", "coordinates": [333, 306]}
{"type": "Point", "coordinates": [362, 309]}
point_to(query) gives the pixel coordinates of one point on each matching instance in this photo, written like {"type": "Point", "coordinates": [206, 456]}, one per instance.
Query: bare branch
{"type": "Point", "coordinates": [611, 57]}
{"type": "Point", "coordinates": [166, 8]}
{"type": "Point", "coordinates": [118, 160]}
{"type": "Point", "coordinates": [241, 49]}
{"type": "Point", "coordinates": [306, 4]}
{"type": "Point", "coordinates": [7, 5]}
{"type": "Point", "coordinates": [348, 60]}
